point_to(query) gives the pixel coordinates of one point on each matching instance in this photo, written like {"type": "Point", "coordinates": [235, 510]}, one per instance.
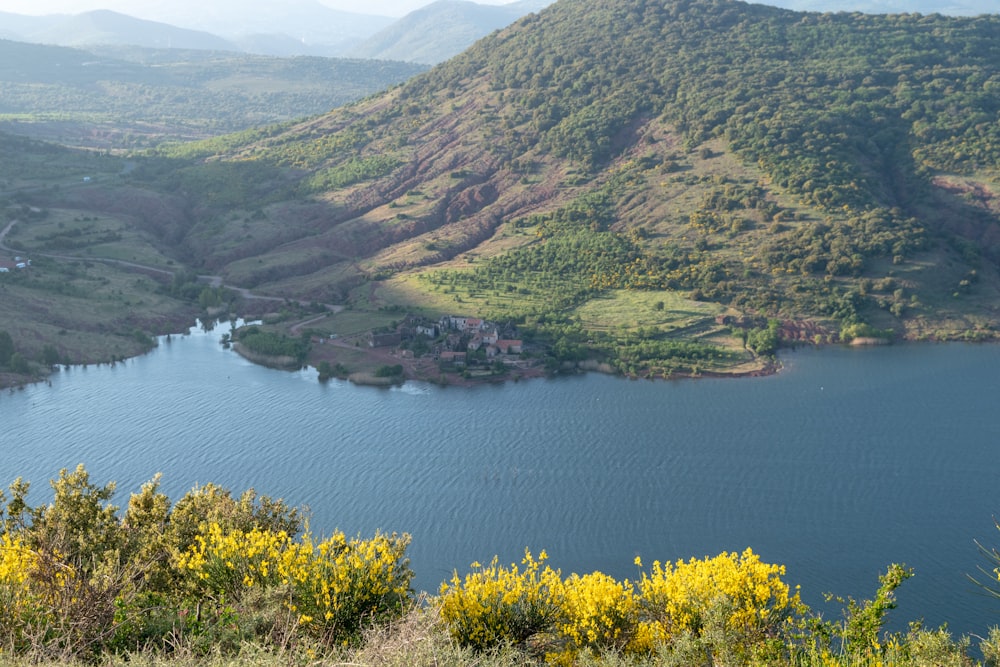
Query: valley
{"type": "Point", "coordinates": [816, 185]}
{"type": "Point", "coordinates": [602, 190]}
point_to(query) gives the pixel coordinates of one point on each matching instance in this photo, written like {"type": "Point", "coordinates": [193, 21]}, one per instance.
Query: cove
{"type": "Point", "coordinates": [843, 462]}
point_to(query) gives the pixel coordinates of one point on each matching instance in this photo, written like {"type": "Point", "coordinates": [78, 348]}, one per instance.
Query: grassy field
{"type": "Point", "coordinates": [40, 166]}
{"type": "Point", "coordinates": [630, 310]}
{"type": "Point", "coordinates": [349, 323]}
{"type": "Point", "coordinates": [89, 311]}
{"type": "Point", "coordinates": [83, 234]}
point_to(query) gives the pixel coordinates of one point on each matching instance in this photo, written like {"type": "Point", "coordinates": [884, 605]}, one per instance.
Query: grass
{"type": "Point", "coordinates": [633, 309]}
{"type": "Point", "coordinates": [357, 322]}
{"type": "Point", "coordinates": [420, 640]}
{"type": "Point", "coordinates": [280, 262]}
{"type": "Point", "coordinates": [71, 232]}
{"type": "Point", "coordinates": [43, 166]}
{"type": "Point", "coordinates": [416, 640]}
{"type": "Point", "coordinates": [89, 311]}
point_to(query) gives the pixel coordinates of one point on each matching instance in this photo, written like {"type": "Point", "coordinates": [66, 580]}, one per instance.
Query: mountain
{"type": "Point", "coordinates": [318, 29]}
{"type": "Point", "coordinates": [306, 20]}
{"type": "Point", "coordinates": [635, 180]}
{"type": "Point", "coordinates": [107, 27]}
{"type": "Point", "coordinates": [16, 26]}
{"type": "Point", "coordinates": [441, 30]}
{"type": "Point", "coordinates": [295, 27]}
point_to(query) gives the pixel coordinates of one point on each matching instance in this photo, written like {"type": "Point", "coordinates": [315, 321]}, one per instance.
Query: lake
{"type": "Point", "coordinates": [844, 462]}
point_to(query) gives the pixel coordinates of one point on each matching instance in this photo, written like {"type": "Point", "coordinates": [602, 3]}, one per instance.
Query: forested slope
{"type": "Point", "coordinates": [831, 170]}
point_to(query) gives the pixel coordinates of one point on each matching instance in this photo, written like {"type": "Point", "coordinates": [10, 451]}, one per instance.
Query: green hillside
{"type": "Point", "coordinates": [833, 171]}
{"type": "Point", "coordinates": [655, 187]}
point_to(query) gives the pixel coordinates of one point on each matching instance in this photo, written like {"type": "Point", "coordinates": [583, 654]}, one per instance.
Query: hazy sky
{"type": "Point", "coordinates": [144, 8]}
{"type": "Point", "coordinates": [190, 10]}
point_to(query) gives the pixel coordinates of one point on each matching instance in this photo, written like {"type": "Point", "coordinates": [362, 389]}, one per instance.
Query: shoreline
{"type": "Point", "coordinates": [426, 371]}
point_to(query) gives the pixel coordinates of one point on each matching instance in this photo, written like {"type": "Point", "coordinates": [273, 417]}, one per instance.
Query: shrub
{"type": "Point", "coordinates": [332, 589]}
{"type": "Point", "coordinates": [733, 606]}
{"type": "Point", "coordinates": [859, 632]}
{"type": "Point", "coordinates": [678, 597]}
{"type": "Point", "coordinates": [23, 606]}
{"type": "Point", "coordinates": [599, 613]}
{"type": "Point", "coordinates": [209, 575]}
{"type": "Point", "coordinates": [387, 371]}
{"type": "Point", "coordinates": [496, 605]}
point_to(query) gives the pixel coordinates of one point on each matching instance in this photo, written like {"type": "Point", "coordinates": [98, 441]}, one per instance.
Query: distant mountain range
{"type": "Point", "coordinates": [429, 35]}
{"type": "Point", "coordinates": [107, 27]}
{"type": "Point", "coordinates": [302, 27]}
{"type": "Point", "coordinates": [310, 23]}
{"type": "Point", "coordinates": [442, 29]}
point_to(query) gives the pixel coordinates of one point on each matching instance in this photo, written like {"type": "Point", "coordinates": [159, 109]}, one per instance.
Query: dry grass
{"type": "Point", "coordinates": [416, 640]}
{"type": "Point", "coordinates": [84, 234]}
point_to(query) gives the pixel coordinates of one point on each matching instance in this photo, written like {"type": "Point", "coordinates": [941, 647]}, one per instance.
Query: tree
{"type": "Point", "coordinates": [18, 364]}
{"type": "Point", "coordinates": [50, 355]}
{"type": "Point", "coordinates": [763, 341]}
{"type": "Point", "coordinates": [6, 348]}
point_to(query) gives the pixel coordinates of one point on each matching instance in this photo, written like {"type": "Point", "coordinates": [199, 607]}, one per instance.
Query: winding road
{"type": "Point", "coordinates": [3, 235]}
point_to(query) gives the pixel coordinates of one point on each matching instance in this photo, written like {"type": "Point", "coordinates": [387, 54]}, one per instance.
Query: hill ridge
{"type": "Point", "coordinates": [663, 186]}
{"type": "Point", "coordinates": [476, 123]}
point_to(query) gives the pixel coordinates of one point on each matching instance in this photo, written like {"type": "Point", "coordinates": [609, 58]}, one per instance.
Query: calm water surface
{"type": "Point", "coordinates": [844, 462]}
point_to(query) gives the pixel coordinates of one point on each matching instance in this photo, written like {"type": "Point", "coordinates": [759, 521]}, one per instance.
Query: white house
{"type": "Point", "coordinates": [430, 331]}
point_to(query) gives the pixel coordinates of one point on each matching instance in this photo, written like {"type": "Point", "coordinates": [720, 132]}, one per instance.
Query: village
{"type": "Point", "coordinates": [454, 341]}
{"type": "Point", "coordinates": [460, 347]}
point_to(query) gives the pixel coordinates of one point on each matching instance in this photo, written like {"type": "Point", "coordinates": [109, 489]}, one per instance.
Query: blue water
{"type": "Point", "coordinates": [844, 462]}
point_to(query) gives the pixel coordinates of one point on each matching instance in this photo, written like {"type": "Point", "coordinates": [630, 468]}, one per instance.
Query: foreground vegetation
{"type": "Point", "coordinates": [221, 579]}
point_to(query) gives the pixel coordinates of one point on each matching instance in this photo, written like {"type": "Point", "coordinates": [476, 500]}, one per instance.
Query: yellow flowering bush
{"type": "Point", "coordinates": [32, 589]}
{"type": "Point", "coordinates": [735, 594]}
{"type": "Point", "coordinates": [598, 612]}
{"type": "Point", "coordinates": [495, 605]}
{"type": "Point", "coordinates": [19, 604]}
{"type": "Point", "coordinates": [749, 596]}
{"type": "Point", "coordinates": [16, 560]}
{"type": "Point", "coordinates": [215, 573]}
{"type": "Point", "coordinates": [340, 585]}
{"type": "Point", "coordinates": [229, 562]}
{"type": "Point", "coordinates": [331, 588]}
